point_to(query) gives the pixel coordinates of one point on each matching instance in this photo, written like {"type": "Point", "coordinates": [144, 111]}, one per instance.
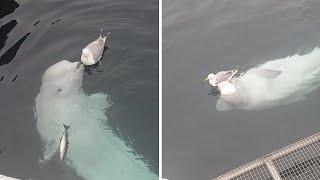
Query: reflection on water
{"type": "Point", "coordinates": [8, 56]}
{"type": "Point", "coordinates": [4, 30]}
{"type": "Point", "coordinates": [7, 7]}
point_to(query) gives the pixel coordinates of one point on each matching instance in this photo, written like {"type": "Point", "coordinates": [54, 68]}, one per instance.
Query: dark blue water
{"type": "Point", "coordinates": [36, 34]}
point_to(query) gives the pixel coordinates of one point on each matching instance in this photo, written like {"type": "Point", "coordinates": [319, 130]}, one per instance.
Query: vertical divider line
{"type": "Point", "coordinates": [160, 89]}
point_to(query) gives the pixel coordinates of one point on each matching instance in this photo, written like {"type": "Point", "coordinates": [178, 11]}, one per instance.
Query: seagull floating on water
{"type": "Point", "coordinates": [215, 79]}
{"type": "Point", "coordinates": [93, 52]}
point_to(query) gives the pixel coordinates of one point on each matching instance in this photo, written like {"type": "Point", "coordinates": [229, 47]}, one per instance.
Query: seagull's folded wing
{"type": "Point", "coordinates": [96, 50]}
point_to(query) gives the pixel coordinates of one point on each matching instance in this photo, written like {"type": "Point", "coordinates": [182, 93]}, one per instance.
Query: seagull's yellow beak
{"type": "Point", "coordinates": [206, 79]}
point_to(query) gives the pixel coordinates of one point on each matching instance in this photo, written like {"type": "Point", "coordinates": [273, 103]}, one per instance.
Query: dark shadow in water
{"type": "Point", "coordinates": [36, 23]}
{"type": "Point", "coordinates": [95, 68]}
{"type": "Point", "coordinates": [2, 150]}
{"type": "Point", "coordinates": [55, 22]}
{"type": "Point", "coordinates": [8, 56]}
{"type": "Point", "coordinates": [214, 91]}
{"type": "Point", "coordinates": [7, 7]}
{"type": "Point", "coordinates": [14, 79]}
{"type": "Point", "coordinates": [4, 31]}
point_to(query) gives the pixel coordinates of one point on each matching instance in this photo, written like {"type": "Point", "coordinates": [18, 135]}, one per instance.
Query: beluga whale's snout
{"type": "Point", "coordinates": [93, 52]}
{"type": "Point", "coordinates": [79, 66]}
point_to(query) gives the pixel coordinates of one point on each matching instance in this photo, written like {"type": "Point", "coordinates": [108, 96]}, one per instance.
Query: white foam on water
{"type": "Point", "coordinates": [95, 152]}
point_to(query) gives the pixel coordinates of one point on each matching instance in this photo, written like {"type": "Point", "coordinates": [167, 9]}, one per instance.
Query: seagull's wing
{"type": "Point", "coordinates": [222, 76]}
{"type": "Point", "coordinates": [96, 48]}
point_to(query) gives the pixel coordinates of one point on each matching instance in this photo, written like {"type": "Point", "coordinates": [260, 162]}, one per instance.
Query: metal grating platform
{"type": "Point", "coordinates": [298, 161]}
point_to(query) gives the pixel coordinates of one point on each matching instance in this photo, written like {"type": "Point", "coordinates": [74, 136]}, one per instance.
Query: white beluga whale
{"type": "Point", "coordinates": [62, 80]}
{"type": "Point", "coordinates": [94, 152]}
{"type": "Point", "coordinates": [93, 52]}
{"type": "Point", "coordinates": [64, 142]}
{"type": "Point", "coordinates": [274, 83]}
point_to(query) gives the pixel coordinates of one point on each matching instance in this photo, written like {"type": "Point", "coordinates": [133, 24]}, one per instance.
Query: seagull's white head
{"type": "Point", "coordinates": [212, 79]}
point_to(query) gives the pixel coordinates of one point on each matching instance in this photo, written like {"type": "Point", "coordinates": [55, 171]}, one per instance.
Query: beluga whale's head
{"type": "Point", "coordinates": [62, 78]}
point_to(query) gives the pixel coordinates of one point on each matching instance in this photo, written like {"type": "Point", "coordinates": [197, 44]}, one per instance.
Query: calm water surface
{"type": "Point", "coordinates": [35, 34]}
{"type": "Point", "coordinates": [208, 36]}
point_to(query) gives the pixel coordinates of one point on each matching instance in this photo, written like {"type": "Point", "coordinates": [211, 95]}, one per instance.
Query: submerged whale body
{"type": "Point", "coordinates": [94, 151]}
{"type": "Point", "coordinates": [300, 75]}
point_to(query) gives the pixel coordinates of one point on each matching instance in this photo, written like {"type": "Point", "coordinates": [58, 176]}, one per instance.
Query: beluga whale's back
{"type": "Point", "coordinates": [93, 52]}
